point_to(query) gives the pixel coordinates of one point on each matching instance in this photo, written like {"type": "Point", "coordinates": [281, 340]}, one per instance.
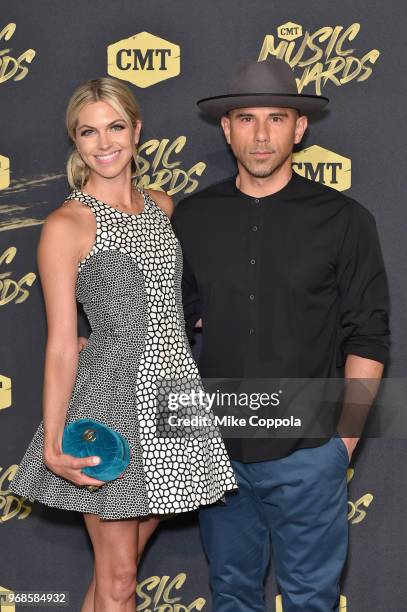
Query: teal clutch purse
{"type": "Point", "coordinates": [85, 438]}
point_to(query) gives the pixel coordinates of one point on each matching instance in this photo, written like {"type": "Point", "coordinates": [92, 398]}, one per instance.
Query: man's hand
{"type": "Point", "coordinates": [82, 342]}
{"type": "Point", "coordinates": [350, 444]}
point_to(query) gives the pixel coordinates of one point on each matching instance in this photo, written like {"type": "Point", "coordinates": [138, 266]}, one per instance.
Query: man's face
{"type": "Point", "coordinates": [262, 139]}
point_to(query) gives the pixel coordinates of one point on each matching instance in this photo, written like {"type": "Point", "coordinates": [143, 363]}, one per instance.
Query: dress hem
{"type": "Point", "coordinates": [154, 511]}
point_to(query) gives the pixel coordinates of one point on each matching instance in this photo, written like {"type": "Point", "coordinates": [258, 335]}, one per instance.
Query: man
{"type": "Point", "coordinates": [287, 278]}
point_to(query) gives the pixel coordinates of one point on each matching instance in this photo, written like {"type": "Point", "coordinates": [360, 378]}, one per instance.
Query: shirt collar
{"type": "Point", "coordinates": [284, 193]}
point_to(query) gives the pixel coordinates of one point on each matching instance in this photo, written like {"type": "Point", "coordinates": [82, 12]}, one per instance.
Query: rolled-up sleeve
{"type": "Point", "coordinates": [363, 289]}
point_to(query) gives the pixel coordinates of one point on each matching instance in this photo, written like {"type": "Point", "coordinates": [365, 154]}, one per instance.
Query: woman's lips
{"type": "Point", "coordinates": [107, 158]}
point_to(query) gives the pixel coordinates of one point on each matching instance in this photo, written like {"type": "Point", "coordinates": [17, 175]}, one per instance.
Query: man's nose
{"type": "Point", "coordinates": [261, 134]}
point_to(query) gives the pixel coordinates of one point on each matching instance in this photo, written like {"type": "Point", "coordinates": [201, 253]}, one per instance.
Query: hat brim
{"type": "Point", "coordinates": [218, 106]}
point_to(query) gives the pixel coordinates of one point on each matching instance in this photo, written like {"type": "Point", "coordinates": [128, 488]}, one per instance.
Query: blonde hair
{"type": "Point", "coordinates": [104, 89]}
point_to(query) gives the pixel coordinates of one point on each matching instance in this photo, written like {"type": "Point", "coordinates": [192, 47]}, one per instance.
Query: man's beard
{"type": "Point", "coordinates": [264, 172]}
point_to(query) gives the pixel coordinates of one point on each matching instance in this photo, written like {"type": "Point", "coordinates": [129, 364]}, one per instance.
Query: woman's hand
{"type": "Point", "coordinates": [82, 342]}
{"type": "Point", "coordinates": [69, 467]}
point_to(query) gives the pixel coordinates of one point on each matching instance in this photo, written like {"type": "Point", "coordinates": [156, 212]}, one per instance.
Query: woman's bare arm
{"type": "Point", "coordinates": [58, 255]}
{"type": "Point", "coordinates": [57, 262]}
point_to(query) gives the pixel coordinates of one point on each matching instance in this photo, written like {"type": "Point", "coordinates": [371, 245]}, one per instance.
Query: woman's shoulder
{"type": "Point", "coordinates": [162, 199]}
{"type": "Point", "coordinates": [67, 217]}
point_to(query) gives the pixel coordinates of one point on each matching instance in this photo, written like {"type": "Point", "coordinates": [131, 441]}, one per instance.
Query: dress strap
{"type": "Point", "coordinates": [140, 189]}
{"type": "Point", "coordinates": [102, 222]}
{"type": "Point", "coordinates": [94, 203]}
{"type": "Point", "coordinates": [77, 194]}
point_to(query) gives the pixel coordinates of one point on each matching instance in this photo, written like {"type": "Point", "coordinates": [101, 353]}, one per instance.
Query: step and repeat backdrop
{"type": "Point", "coordinates": [171, 53]}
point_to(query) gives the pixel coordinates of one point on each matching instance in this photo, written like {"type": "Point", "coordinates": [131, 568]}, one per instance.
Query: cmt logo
{"type": "Point", "coordinates": [324, 166]}
{"type": "Point", "coordinates": [163, 593]}
{"type": "Point", "coordinates": [358, 509]}
{"type": "Point", "coordinates": [12, 67]}
{"type": "Point", "coordinates": [4, 172]}
{"type": "Point", "coordinates": [289, 31]}
{"type": "Point", "coordinates": [327, 55]}
{"type": "Point", "coordinates": [143, 59]}
{"type": "Point", "coordinates": [5, 392]}
{"type": "Point", "coordinates": [5, 594]}
{"type": "Point", "coordinates": [13, 290]}
{"type": "Point", "coordinates": [342, 604]}
{"type": "Point", "coordinates": [11, 505]}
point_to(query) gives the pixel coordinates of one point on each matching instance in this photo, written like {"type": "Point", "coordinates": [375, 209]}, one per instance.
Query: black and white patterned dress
{"type": "Point", "coordinates": [130, 288]}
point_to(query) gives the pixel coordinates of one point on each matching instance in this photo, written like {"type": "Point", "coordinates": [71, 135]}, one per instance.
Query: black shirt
{"type": "Point", "coordinates": [287, 285]}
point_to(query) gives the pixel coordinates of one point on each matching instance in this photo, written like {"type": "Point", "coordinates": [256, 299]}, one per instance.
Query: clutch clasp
{"type": "Point", "coordinates": [89, 435]}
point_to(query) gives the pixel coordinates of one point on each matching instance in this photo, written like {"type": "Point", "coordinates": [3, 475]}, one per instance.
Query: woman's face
{"type": "Point", "coordinates": [104, 140]}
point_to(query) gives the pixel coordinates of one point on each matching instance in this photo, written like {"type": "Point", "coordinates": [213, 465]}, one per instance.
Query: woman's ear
{"type": "Point", "coordinates": [137, 130]}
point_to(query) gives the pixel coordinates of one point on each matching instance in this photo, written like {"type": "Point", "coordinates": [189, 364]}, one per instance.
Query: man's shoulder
{"type": "Point", "coordinates": [208, 194]}
{"type": "Point", "coordinates": [309, 187]}
{"type": "Point", "coordinates": [329, 195]}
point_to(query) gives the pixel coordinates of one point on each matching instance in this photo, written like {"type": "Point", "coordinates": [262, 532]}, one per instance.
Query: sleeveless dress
{"type": "Point", "coordinates": [130, 288]}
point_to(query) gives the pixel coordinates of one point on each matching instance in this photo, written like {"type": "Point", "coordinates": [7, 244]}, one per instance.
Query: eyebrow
{"type": "Point", "coordinates": [92, 127]}
{"type": "Point", "coordinates": [277, 114]}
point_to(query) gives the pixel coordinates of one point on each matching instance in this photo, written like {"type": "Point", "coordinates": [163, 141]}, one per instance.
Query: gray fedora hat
{"type": "Point", "coordinates": [270, 82]}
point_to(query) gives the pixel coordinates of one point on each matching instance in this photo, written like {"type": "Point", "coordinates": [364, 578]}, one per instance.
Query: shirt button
{"type": "Point", "coordinates": [255, 228]}
{"type": "Point", "coordinates": [252, 261]}
{"type": "Point", "coordinates": [251, 331]}
{"type": "Point", "coordinates": [251, 296]}
{"type": "Point", "coordinates": [257, 201]}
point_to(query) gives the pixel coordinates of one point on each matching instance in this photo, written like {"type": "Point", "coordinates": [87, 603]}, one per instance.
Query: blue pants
{"type": "Point", "coordinates": [301, 502]}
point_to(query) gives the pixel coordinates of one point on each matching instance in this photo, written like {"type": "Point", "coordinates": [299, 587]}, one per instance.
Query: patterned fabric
{"type": "Point", "coordinates": [130, 288]}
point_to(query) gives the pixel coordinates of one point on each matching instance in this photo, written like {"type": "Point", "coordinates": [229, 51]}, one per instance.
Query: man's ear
{"type": "Point", "coordinates": [300, 127]}
{"type": "Point", "coordinates": [225, 123]}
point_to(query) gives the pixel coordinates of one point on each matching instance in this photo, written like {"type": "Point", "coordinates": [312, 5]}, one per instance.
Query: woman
{"type": "Point", "coordinates": [111, 246]}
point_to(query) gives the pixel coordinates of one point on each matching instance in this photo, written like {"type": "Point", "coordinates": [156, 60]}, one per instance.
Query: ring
{"type": "Point", "coordinates": [91, 487]}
